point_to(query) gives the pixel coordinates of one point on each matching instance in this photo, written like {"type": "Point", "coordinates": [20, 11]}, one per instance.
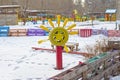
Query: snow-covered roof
{"type": "Point", "coordinates": [9, 6]}
{"type": "Point", "coordinates": [33, 10]}
{"type": "Point", "coordinates": [111, 11]}
{"type": "Point", "coordinates": [40, 10]}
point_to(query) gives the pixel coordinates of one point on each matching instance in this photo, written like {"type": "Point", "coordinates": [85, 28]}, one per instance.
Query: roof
{"type": "Point", "coordinates": [111, 11]}
{"type": "Point", "coordinates": [9, 6]}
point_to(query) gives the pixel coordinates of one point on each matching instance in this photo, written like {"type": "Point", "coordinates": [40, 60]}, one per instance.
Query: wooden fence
{"type": "Point", "coordinates": [96, 68]}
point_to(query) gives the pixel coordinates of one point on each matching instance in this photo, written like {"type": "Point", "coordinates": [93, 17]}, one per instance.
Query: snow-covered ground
{"type": "Point", "coordinates": [19, 62]}
{"type": "Point", "coordinates": [115, 78]}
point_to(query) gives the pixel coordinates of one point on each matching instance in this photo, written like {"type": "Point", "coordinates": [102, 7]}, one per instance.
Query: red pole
{"type": "Point", "coordinates": [59, 57]}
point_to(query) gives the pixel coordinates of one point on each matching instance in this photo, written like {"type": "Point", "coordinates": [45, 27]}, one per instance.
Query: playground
{"type": "Point", "coordinates": [22, 58]}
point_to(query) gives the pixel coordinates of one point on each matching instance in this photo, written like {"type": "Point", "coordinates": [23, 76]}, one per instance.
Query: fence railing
{"type": "Point", "coordinates": [80, 32]}
{"type": "Point", "coordinates": [100, 67]}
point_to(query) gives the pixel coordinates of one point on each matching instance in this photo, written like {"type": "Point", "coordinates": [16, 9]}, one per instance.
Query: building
{"type": "Point", "coordinates": [118, 9]}
{"type": "Point", "coordinates": [110, 14]}
{"type": "Point", "coordinates": [57, 6]}
{"type": "Point", "coordinates": [9, 14]}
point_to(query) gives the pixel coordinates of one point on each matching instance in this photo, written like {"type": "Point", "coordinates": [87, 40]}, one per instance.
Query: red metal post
{"type": "Point", "coordinates": [59, 57]}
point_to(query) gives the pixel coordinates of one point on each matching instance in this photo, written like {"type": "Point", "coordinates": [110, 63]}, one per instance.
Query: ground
{"type": "Point", "coordinates": [19, 62]}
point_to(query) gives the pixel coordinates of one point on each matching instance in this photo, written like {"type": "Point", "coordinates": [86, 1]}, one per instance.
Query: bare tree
{"type": "Point", "coordinates": [63, 6]}
{"type": "Point", "coordinates": [24, 8]}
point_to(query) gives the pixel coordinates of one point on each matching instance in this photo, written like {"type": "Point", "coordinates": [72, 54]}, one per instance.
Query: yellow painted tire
{"type": "Point", "coordinates": [58, 36]}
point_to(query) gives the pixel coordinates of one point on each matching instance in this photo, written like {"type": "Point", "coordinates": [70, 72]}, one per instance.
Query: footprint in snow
{"type": "Point", "coordinates": [19, 61]}
{"type": "Point", "coordinates": [38, 78]}
{"type": "Point", "coordinates": [29, 79]}
{"type": "Point", "coordinates": [32, 62]}
{"type": "Point", "coordinates": [45, 64]}
{"type": "Point", "coordinates": [39, 64]}
{"type": "Point", "coordinates": [23, 57]}
{"type": "Point", "coordinates": [17, 79]}
{"type": "Point", "coordinates": [27, 62]}
{"type": "Point", "coordinates": [17, 67]}
{"type": "Point", "coordinates": [9, 64]}
{"type": "Point", "coordinates": [33, 54]}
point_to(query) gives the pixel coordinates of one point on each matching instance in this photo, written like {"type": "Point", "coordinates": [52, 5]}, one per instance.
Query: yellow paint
{"type": "Point", "coordinates": [41, 41]}
{"type": "Point", "coordinates": [66, 48]}
{"type": "Point", "coordinates": [58, 20]}
{"type": "Point", "coordinates": [44, 28]}
{"type": "Point", "coordinates": [58, 36]}
{"type": "Point", "coordinates": [65, 22]}
{"type": "Point", "coordinates": [72, 26]}
{"type": "Point", "coordinates": [73, 32]}
{"type": "Point", "coordinates": [51, 23]}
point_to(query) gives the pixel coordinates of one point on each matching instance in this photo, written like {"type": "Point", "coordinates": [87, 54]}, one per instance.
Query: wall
{"type": "Point", "coordinates": [118, 9]}
{"type": "Point", "coordinates": [8, 19]}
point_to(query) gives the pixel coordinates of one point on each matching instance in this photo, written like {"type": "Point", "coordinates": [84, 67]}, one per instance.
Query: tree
{"type": "Point", "coordinates": [25, 7]}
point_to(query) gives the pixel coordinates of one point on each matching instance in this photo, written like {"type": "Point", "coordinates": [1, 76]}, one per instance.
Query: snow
{"type": "Point", "coordinates": [111, 11]}
{"type": "Point", "coordinates": [5, 6]}
{"type": "Point", "coordinates": [115, 78]}
{"type": "Point", "coordinates": [19, 62]}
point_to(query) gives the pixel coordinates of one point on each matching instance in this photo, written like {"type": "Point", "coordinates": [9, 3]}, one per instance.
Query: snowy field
{"type": "Point", "coordinates": [19, 62]}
